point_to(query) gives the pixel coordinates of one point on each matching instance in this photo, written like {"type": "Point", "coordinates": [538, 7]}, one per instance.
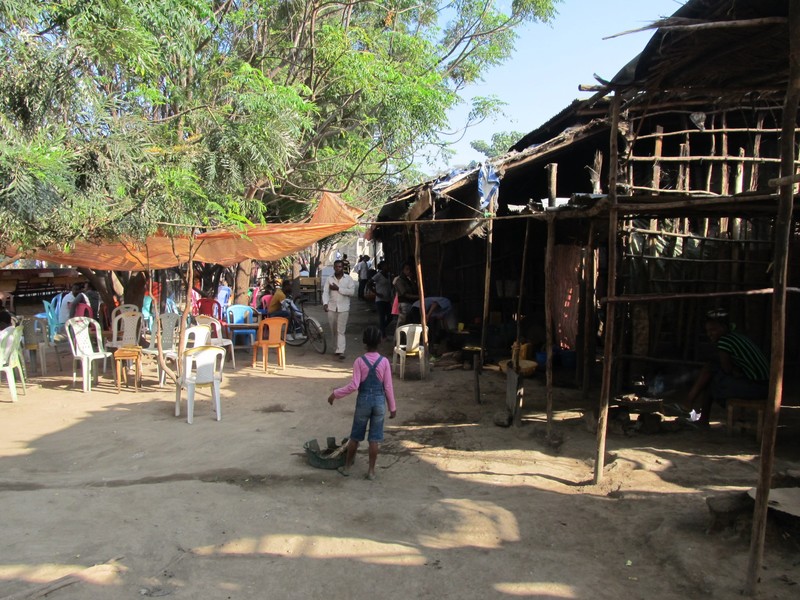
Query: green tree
{"type": "Point", "coordinates": [123, 117]}
{"type": "Point", "coordinates": [501, 142]}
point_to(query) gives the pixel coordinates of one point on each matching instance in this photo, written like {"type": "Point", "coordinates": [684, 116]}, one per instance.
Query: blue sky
{"type": "Point", "coordinates": [551, 60]}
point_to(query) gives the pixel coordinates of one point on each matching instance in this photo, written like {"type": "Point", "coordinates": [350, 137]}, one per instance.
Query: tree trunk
{"type": "Point", "coordinates": [242, 284]}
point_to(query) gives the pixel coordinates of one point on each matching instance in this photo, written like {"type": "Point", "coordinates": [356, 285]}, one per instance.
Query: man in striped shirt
{"type": "Point", "coordinates": [741, 370]}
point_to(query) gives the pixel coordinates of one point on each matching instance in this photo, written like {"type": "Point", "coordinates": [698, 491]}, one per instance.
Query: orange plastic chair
{"type": "Point", "coordinates": [271, 334]}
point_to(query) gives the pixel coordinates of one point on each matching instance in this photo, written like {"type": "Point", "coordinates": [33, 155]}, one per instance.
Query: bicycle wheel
{"type": "Point", "coordinates": [299, 338]}
{"type": "Point", "coordinates": [316, 335]}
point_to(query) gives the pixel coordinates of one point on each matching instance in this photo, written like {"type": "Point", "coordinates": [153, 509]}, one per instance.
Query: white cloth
{"type": "Point", "coordinates": [338, 301]}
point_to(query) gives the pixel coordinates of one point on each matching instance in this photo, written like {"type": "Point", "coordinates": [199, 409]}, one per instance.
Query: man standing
{"type": "Point", "coordinates": [336, 293]}
{"type": "Point", "coordinates": [362, 270]}
{"type": "Point", "coordinates": [345, 265]}
{"type": "Point", "coordinates": [383, 296]}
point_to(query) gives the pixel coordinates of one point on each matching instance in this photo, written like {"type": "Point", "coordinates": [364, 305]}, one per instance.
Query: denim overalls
{"type": "Point", "coordinates": [370, 406]}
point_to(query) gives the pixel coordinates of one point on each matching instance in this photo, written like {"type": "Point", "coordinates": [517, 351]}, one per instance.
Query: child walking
{"type": "Point", "coordinates": [372, 377]}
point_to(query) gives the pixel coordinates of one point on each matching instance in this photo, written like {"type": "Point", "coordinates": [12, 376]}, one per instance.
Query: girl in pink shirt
{"type": "Point", "coordinates": [372, 377]}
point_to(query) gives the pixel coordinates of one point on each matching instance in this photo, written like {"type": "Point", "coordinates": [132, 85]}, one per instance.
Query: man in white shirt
{"type": "Point", "coordinates": [336, 293]}
{"type": "Point", "coordinates": [66, 302]}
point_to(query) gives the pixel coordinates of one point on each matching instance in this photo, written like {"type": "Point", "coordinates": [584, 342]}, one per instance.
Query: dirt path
{"type": "Point", "coordinates": [461, 508]}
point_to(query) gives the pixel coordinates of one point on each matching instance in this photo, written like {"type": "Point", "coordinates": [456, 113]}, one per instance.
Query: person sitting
{"type": "Point", "coordinates": [276, 308]}
{"type": "Point", "coordinates": [6, 319]}
{"type": "Point", "coordinates": [67, 300]}
{"type": "Point", "coordinates": [437, 308]}
{"type": "Point", "coordinates": [81, 299]}
{"type": "Point", "coordinates": [407, 293]}
{"type": "Point", "coordinates": [740, 370]}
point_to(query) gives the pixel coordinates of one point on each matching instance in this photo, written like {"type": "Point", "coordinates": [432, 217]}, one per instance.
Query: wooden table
{"type": "Point", "coordinates": [132, 353]}
{"type": "Point", "coordinates": [234, 327]}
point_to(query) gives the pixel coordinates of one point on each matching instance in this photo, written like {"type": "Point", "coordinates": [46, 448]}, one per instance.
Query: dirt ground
{"type": "Point", "coordinates": [107, 495]}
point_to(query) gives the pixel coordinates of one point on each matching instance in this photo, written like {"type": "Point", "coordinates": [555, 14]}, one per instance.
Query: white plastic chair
{"type": "Point", "coordinates": [10, 351]}
{"type": "Point", "coordinates": [217, 339]}
{"type": "Point", "coordinates": [202, 367]}
{"type": "Point", "coordinates": [36, 339]}
{"type": "Point", "coordinates": [169, 330]}
{"type": "Point", "coordinates": [84, 336]}
{"type": "Point", "coordinates": [121, 309]}
{"type": "Point", "coordinates": [126, 329]}
{"type": "Point", "coordinates": [197, 335]}
{"type": "Point", "coordinates": [408, 342]}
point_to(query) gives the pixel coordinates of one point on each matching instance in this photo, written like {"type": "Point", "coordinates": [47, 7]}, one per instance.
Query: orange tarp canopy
{"type": "Point", "coordinates": [267, 242]}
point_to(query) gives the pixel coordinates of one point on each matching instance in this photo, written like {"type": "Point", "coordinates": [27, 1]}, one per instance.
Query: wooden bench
{"type": "Point", "coordinates": [739, 404]}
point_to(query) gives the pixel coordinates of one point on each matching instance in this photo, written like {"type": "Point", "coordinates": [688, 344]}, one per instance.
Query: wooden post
{"type": "Point", "coordinates": [756, 152]}
{"type": "Point", "coordinates": [423, 313]}
{"type": "Point", "coordinates": [659, 145]}
{"type": "Point", "coordinates": [548, 315]}
{"type": "Point", "coordinates": [596, 171]}
{"type": "Point", "coordinates": [712, 153]}
{"type": "Point", "coordinates": [738, 179]}
{"type": "Point", "coordinates": [725, 174]}
{"type": "Point", "coordinates": [487, 282]}
{"type": "Point", "coordinates": [783, 228]}
{"type": "Point", "coordinates": [517, 416]}
{"type": "Point", "coordinates": [608, 330]}
{"type": "Point", "coordinates": [552, 177]}
{"type": "Point", "coordinates": [521, 289]}
{"type": "Point", "coordinates": [589, 321]}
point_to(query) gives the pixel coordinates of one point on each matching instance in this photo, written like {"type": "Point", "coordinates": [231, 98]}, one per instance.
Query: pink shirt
{"type": "Point", "coordinates": [360, 372]}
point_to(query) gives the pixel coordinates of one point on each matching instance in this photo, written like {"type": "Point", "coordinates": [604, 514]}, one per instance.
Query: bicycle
{"type": "Point", "coordinates": [310, 329]}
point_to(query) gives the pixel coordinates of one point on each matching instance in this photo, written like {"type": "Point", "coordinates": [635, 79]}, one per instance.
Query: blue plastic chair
{"type": "Point", "coordinates": [51, 314]}
{"type": "Point", "coordinates": [224, 297]}
{"type": "Point", "coordinates": [239, 313]}
{"type": "Point", "coordinates": [172, 307]}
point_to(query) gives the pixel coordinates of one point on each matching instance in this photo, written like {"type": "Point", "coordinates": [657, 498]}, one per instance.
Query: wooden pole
{"type": "Point", "coordinates": [422, 311]}
{"type": "Point", "coordinates": [521, 291]}
{"type": "Point", "coordinates": [519, 398]}
{"type": "Point", "coordinates": [608, 329]}
{"type": "Point", "coordinates": [589, 328]}
{"type": "Point", "coordinates": [487, 283]}
{"type": "Point", "coordinates": [548, 315]}
{"type": "Point", "coordinates": [659, 145]}
{"type": "Point", "coordinates": [552, 178]}
{"type": "Point", "coordinates": [783, 228]}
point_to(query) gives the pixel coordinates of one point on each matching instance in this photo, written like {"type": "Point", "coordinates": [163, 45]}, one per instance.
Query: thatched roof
{"type": "Point", "coordinates": [711, 47]}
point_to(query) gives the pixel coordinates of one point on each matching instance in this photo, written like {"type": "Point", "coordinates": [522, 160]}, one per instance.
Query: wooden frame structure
{"type": "Point", "coordinates": [700, 139]}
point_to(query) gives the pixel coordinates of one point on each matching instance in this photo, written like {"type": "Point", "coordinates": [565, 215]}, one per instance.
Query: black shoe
{"type": "Point", "coordinates": [341, 356]}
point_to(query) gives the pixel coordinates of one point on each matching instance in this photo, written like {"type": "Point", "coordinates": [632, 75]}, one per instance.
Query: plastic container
{"type": "Point", "coordinates": [321, 459]}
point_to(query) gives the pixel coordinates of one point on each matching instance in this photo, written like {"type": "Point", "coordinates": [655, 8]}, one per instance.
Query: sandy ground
{"type": "Point", "coordinates": [107, 495]}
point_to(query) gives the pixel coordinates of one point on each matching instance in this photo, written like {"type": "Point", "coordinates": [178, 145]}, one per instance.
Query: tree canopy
{"type": "Point", "coordinates": [501, 142]}
{"type": "Point", "coordinates": [121, 117]}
